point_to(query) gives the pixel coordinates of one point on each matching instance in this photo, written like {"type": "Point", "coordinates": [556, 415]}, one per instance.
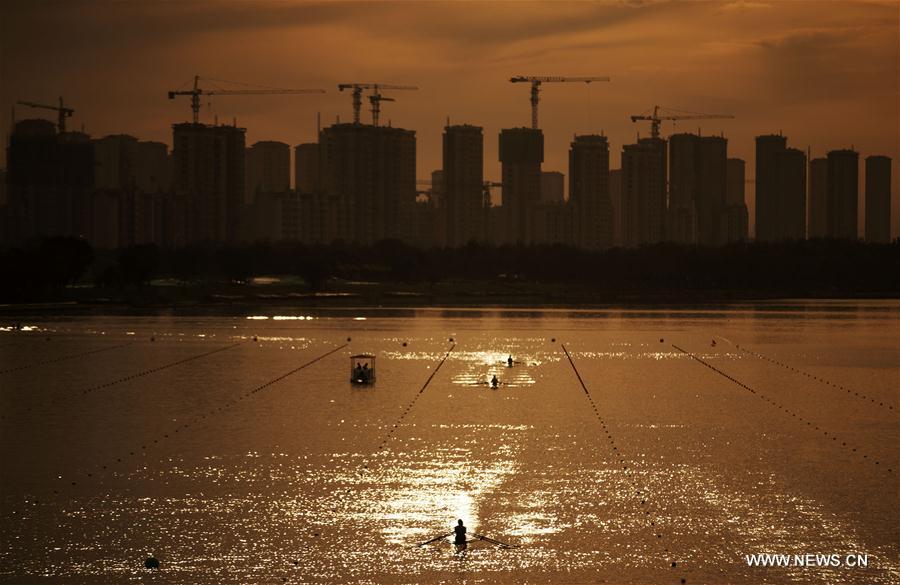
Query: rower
{"type": "Point", "coordinates": [494, 381]}
{"type": "Point", "coordinates": [460, 534]}
{"type": "Point", "coordinates": [509, 361]}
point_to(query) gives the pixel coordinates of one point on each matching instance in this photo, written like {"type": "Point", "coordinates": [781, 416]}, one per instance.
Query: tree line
{"type": "Point", "coordinates": [45, 268]}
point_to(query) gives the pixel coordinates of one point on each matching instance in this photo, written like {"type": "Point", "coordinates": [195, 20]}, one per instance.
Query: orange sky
{"type": "Point", "coordinates": [823, 73]}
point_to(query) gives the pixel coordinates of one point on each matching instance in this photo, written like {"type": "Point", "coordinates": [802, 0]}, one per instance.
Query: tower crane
{"type": "Point", "coordinates": [536, 82]}
{"type": "Point", "coordinates": [655, 118]}
{"type": "Point", "coordinates": [63, 112]}
{"type": "Point", "coordinates": [375, 99]}
{"type": "Point", "coordinates": [196, 91]}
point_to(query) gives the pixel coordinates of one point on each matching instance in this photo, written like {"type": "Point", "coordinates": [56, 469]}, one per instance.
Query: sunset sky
{"type": "Point", "coordinates": [823, 73]}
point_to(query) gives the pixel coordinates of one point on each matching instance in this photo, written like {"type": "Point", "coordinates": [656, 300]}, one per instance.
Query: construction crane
{"type": "Point", "coordinates": [376, 98]}
{"type": "Point", "coordinates": [655, 118]}
{"type": "Point", "coordinates": [197, 91]}
{"type": "Point", "coordinates": [536, 82]}
{"type": "Point", "coordinates": [63, 111]}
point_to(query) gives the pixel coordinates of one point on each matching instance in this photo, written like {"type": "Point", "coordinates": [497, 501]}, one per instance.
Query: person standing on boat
{"type": "Point", "coordinates": [460, 533]}
{"type": "Point", "coordinates": [495, 382]}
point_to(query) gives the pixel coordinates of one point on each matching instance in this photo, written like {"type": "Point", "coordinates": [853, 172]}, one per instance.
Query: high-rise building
{"type": "Point", "coordinates": [459, 187]}
{"type": "Point", "coordinates": [792, 183]}
{"type": "Point", "coordinates": [553, 224]}
{"type": "Point", "coordinates": [644, 191]}
{"type": "Point", "coordinates": [422, 226]}
{"type": "Point", "coordinates": [589, 199]}
{"type": "Point", "coordinates": [129, 176]}
{"type": "Point", "coordinates": [521, 155]}
{"type": "Point", "coordinates": [154, 167]}
{"type": "Point", "coordinates": [735, 218]}
{"type": "Point", "coordinates": [735, 181]}
{"type": "Point", "coordinates": [50, 179]}
{"type": "Point", "coordinates": [615, 196]}
{"type": "Point", "coordinates": [370, 171]}
{"type": "Point", "coordinates": [878, 199]}
{"type": "Point", "coordinates": [208, 175]}
{"type": "Point", "coordinates": [115, 178]}
{"type": "Point", "coordinates": [817, 216]}
{"type": "Point", "coordinates": [437, 187]}
{"type": "Point", "coordinates": [272, 216]}
{"type": "Point", "coordinates": [780, 190]}
{"type": "Point", "coordinates": [697, 186]}
{"type": "Point", "coordinates": [712, 190]}
{"type": "Point", "coordinates": [843, 193]}
{"type": "Point", "coordinates": [553, 184]}
{"type": "Point", "coordinates": [268, 168]}
{"type": "Point", "coordinates": [307, 169]}
{"type": "Point", "coordinates": [768, 193]}
{"type": "Point", "coordinates": [116, 160]}
{"type": "Point", "coordinates": [684, 184]}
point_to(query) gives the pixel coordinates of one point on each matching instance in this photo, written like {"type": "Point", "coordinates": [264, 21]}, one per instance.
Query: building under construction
{"type": "Point", "coordinates": [521, 155]}
{"type": "Point", "coordinates": [460, 191]}
{"type": "Point", "coordinates": [208, 180]}
{"type": "Point", "coordinates": [644, 191]}
{"type": "Point", "coordinates": [370, 174]}
{"type": "Point", "coordinates": [591, 206]}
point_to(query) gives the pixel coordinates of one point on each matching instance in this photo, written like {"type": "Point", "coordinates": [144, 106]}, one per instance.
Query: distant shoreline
{"type": "Point", "coordinates": [194, 301]}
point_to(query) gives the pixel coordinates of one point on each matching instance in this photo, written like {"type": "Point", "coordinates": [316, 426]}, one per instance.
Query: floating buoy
{"type": "Point", "coordinates": [661, 340]}
{"type": "Point", "coordinates": [552, 340]}
{"type": "Point", "coordinates": [348, 339]}
{"type": "Point", "coordinates": [404, 344]}
{"type": "Point", "coordinates": [451, 340]}
{"type": "Point", "coordinates": [151, 563]}
{"type": "Point", "coordinates": [152, 338]}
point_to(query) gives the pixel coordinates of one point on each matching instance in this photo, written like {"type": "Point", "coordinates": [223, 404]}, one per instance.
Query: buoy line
{"type": "Point", "coordinates": [850, 391]}
{"type": "Point", "coordinates": [90, 389]}
{"type": "Point", "coordinates": [63, 358]}
{"type": "Point", "coordinates": [193, 421]}
{"type": "Point", "coordinates": [651, 519]}
{"type": "Point", "coordinates": [810, 424]}
{"type": "Point", "coordinates": [412, 403]}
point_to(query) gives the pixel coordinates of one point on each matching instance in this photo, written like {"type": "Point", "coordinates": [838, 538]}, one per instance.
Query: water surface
{"type": "Point", "coordinates": [127, 436]}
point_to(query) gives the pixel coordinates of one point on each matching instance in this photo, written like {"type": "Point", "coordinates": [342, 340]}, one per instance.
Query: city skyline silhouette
{"type": "Point", "coordinates": [821, 82]}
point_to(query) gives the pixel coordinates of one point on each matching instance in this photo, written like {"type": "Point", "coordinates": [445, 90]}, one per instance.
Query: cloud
{"type": "Point", "coordinates": [743, 5]}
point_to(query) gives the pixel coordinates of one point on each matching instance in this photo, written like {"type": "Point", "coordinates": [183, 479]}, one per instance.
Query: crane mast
{"type": "Point", "coordinates": [375, 99]}
{"type": "Point", "coordinates": [655, 118]}
{"type": "Point", "coordinates": [196, 91]}
{"type": "Point", "coordinates": [536, 82]}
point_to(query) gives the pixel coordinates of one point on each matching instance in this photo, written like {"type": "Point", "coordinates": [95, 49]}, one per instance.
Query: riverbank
{"type": "Point", "coordinates": [288, 292]}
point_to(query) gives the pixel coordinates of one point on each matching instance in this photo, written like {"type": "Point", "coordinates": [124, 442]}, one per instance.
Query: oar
{"type": "Point", "coordinates": [505, 544]}
{"type": "Point", "coordinates": [435, 539]}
